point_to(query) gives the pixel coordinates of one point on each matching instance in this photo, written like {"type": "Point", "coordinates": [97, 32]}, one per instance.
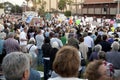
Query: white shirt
{"type": "Point", "coordinates": [23, 35]}
{"type": "Point", "coordinates": [84, 49]}
{"type": "Point", "coordinates": [39, 40]}
{"type": "Point", "coordinates": [32, 48]}
{"type": "Point", "coordinates": [89, 41]}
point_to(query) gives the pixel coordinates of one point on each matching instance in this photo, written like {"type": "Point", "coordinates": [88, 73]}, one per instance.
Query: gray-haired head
{"type": "Point", "coordinates": [101, 55]}
{"type": "Point", "coordinates": [11, 34]}
{"type": "Point", "coordinates": [15, 65]}
{"type": "Point", "coordinates": [98, 48]}
{"type": "Point", "coordinates": [115, 46]}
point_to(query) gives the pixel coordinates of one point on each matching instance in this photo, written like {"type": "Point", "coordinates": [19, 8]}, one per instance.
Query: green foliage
{"type": "Point", "coordinates": [67, 13]}
{"type": "Point", "coordinates": [1, 5]}
{"type": "Point", "coordinates": [69, 2]}
{"type": "Point", "coordinates": [16, 9]}
{"type": "Point", "coordinates": [41, 10]}
{"type": "Point", "coordinates": [62, 4]}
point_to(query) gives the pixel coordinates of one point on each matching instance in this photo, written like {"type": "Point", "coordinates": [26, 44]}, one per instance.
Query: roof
{"type": "Point", "coordinates": [98, 1]}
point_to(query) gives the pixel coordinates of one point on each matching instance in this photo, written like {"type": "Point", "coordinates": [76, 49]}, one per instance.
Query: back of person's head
{"type": "Point", "coordinates": [101, 55]}
{"type": "Point", "coordinates": [25, 28]}
{"type": "Point", "coordinates": [91, 72]}
{"type": "Point", "coordinates": [39, 31]}
{"type": "Point", "coordinates": [16, 66]}
{"type": "Point", "coordinates": [115, 46]}
{"type": "Point", "coordinates": [104, 37]}
{"type": "Point", "coordinates": [73, 42]}
{"type": "Point", "coordinates": [11, 35]}
{"type": "Point", "coordinates": [32, 41]}
{"type": "Point", "coordinates": [81, 39]}
{"type": "Point", "coordinates": [55, 44]}
{"type": "Point", "coordinates": [47, 40]}
{"type": "Point", "coordinates": [98, 48]}
{"type": "Point", "coordinates": [67, 62]}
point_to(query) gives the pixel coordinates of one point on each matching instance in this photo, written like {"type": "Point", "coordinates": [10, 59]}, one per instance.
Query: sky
{"type": "Point", "coordinates": [17, 2]}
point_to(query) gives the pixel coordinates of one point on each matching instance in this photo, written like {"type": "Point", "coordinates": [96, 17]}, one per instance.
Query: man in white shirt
{"type": "Point", "coordinates": [89, 42]}
{"type": "Point", "coordinates": [23, 40]}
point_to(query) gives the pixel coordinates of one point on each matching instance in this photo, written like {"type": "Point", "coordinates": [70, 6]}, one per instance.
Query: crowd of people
{"type": "Point", "coordinates": [66, 49]}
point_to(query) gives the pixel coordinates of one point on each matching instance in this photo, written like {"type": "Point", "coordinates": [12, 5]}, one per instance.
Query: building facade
{"type": "Point", "coordinates": [98, 8]}
{"type": "Point", "coordinates": [108, 8]}
{"type": "Point", "coordinates": [53, 5]}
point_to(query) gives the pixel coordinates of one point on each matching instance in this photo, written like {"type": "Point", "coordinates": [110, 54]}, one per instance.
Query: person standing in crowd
{"type": "Point", "coordinates": [96, 50]}
{"type": "Point", "coordinates": [66, 64]}
{"type": "Point", "coordinates": [23, 40]}
{"type": "Point", "coordinates": [47, 32]}
{"type": "Point", "coordinates": [96, 70]}
{"type": "Point", "coordinates": [90, 43]}
{"type": "Point", "coordinates": [54, 38]}
{"type": "Point", "coordinates": [33, 50]}
{"type": "Point", "coordinates": [113, 57]}
{"type": "Point", "coordinates": [83, 48]}
{"type": "Point", "coordinates": [53, 51]}
{"type": "Point", "coordinates": [2, 50]}
{"type": "Point", "coordinates": [46, 47]}
{"type": "Point", "coordinates": [110, 67]}
{"type": "Point", "coordinates": [105, 44]}
{"type": "Point", "coordinates": [15, 66]}
{"type": "Point", "coordinates": [39, 42]}
{"type": "Point", "coordinates": [98, 39]}
{"type": "Point", "coordinates": [10, 44]}
{"type": "Point", "coordinates": [6, 30]}
{"type": "Point", "coordinates": [63, 38]}
{"type": "Point", "coordinates": [34, 74]}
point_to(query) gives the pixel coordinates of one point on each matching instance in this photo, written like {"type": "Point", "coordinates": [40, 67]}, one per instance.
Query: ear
{"type": "Point", "coordinates": [26, 75]}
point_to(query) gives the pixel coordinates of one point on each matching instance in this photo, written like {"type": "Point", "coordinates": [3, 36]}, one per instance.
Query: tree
{"type": "Point", "coordinates": [16, 9]}
{"type": "Point", "coordinates": [1, 5]}
{"type": "Point", "coordinates": [62, 4]}
{"type": "Point", "coordinates": [41, 10]}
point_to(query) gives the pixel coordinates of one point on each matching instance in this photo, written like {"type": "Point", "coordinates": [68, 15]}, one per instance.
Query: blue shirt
{"type": "Point", "coordinates": [34, 75]}
{"type": "Point", "coordinates": [1, 45]}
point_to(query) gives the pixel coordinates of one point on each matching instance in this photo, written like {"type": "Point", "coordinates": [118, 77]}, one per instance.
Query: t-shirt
{"type": "Point", "coordinates": [23, 35]}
